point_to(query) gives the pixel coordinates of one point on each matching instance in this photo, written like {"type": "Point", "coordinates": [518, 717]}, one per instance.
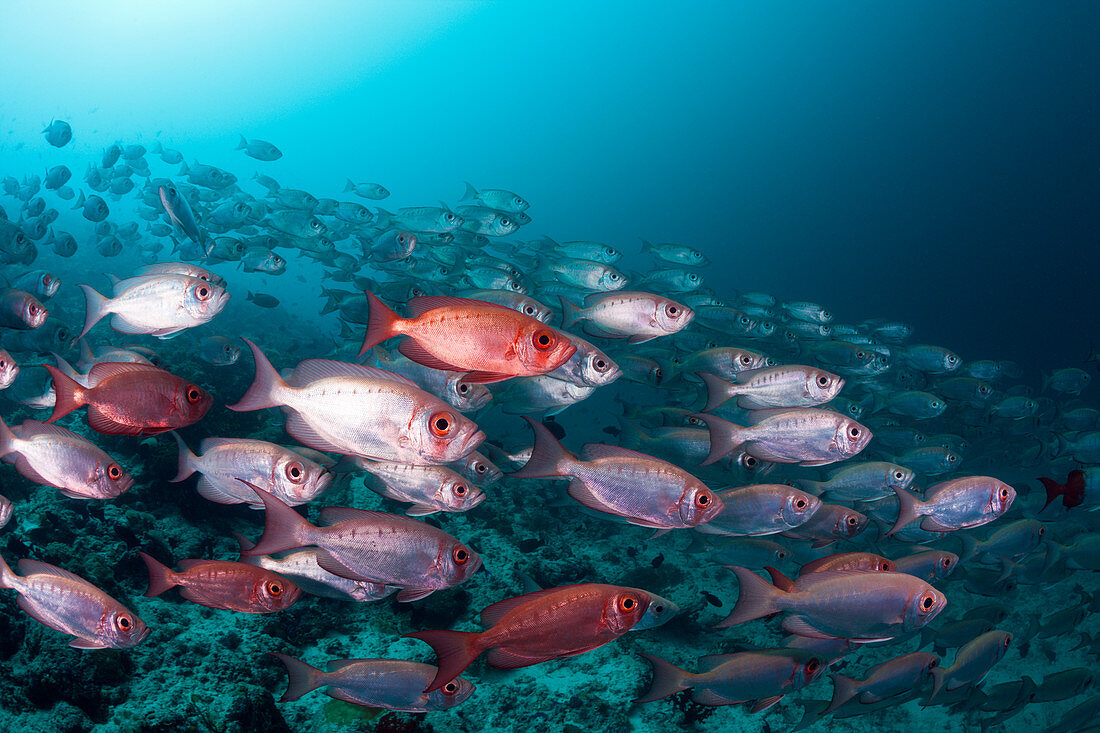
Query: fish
{"type": "Point", "coordinates": [636, 316]}
{"type": "Point", "coordinates": [547, 624]}
{"type": "Point", "coordinates": [390, 684]}
{"type": "Point", "coordinates": [361, 411]}
{"type": "Point", "coordinates": [222, 584]}
{"type": "Point", "coordinates": [860, 606]}
{"type": "Point", "coordinates": [373, 191]}
{"type": "Point", "coordinates": [131, 399]}
{"type": "Point", "coordinates": [961, 503]}
{"type": "Point", "coordinates": [263, 300]}
{"type": "Point", "coordinates": [893, 677]}
{"type": "Point", "coordinates": [1072, 491]}
{"type": "Point", "coordinates": [488, 341]}
{"type": "Point", "coordinates": [157, 305]}
{"type": "Point", "coordinates": [52, 455]}
{"type": "Point", "coordinates": [9, 369]}
{"type": "Point", "coordinates": [59, 133]}
{"type": "Point", "coordinates": [429, 489]}
{"type": "Point", "coordinates": [778, 386]}
{"type": "Point", "coordinates": [7, 510]}
{"type": "Point", "coordinates": [929, 565]}
{"type": "Point", "coordinates": [259, 149]}
{"type": "Point", "coordinates": [226, 462]}
{"type": "Point", "coordinates": [218, 350]}
{"type": "Point", "coordinates": [67, 603]}
{"type": "Point", "coordinates": [640, 489]}
{"type": "Point", "coordinates": [760, 509]}
{"type": "Point", "coordinates": [496, 198]}
{"type": "Point", "coordinates": [302, 569]}
{"type": "Point", "coordinates": [864, 481]}
{"type": "Point", "coordinates": [21, 310]}
{"type": "Point", "coordinates": [676, 254]}
{"type": "Point", "coordinates": [972, 663]}
{"type": "Point", "coordinates": [761, 677]}
{"type": "Point", "coordinates": [806, 436]}
{"type": "Point", "coordinates": [370, 546]}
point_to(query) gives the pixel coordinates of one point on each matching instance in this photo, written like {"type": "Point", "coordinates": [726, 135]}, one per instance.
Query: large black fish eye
{"type": "Point", "coordinates": [463, 388]}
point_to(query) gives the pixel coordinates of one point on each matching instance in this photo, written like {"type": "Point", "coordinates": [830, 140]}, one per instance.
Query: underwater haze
{"type": "Point", "coordinates": [472, 365]}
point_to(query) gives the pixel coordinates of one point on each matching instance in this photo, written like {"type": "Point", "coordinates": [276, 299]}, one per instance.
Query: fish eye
{"type": "Point", "coordinates": [600, 365]}
{"type": "Point", "coordinates": [193, 395]}
{"type": "Point", "coordinates": [983, 389]}
{"type": "Point", "coordinates": [614, 276]}
{"type": "Point", "coordinates": [854, 431]}
{"type": "Point", "coordinates": [114, 472]}
{"type": "Point", "coordinates": [927, 601]}
{"type": "Point", "coordinates": [505, 221]}
{"type": "Point", "coordinates": [512, 284]}
{"type": "Point", "coordinates": [852, 521]}
{"type": "Point", "coordinates": [1042, 531]}
{"type": "Point", "coordinates": [951, 458]}
{"type": "Point", "coordinates": [658, 373]}
{"type": "Point", "coordinates": [702, 500]}
{"type": "Point", "coordinates": [295, 471]}
{"type": "Point", "coordinates": [826, 314]}
{"type": "Point", "coordinates": [860, 354]}
{"type": "Point", "coordinates": [936, 404]}
{"type": "Point", "coordinates": [627, 603]}
{"type": "Point", "coordinates": [441, 424]}
{"type": "Point", "coordinates": [899, 475]}
{"type": "Point", "coordinates": [746, 359]}
{"type": "Point", "coordinates": [610, 251]}
{"type": "Point", "coordinates": [529, 310]}
{"type": "Point", "coordinates": [812, 665]}
{"type": "Point", "coordinates": [33, 309]}
{"type": "Point", "coordinates": [951, 358]}
{"type": "Point", "coordinates": [460, 489]}
{"type": "Point", "coordinates": [450, 688]}
{"type": "Point", "coordinates": [449, 216]}
{"type": "Point", "coordinates": [401, 239]}
{"type": "Point", "coordinates": [202, 293]}
{"type": "Point", "coordinates": [1004, 493]}
{"type": "Point", "coordinates": [946, 562]}
{"type": "Point", "coordinates": [275, 589]}
{"type": "Point", "coordinates": [460, 555]}
{"type": "Point", "coordinates": [463, 388]}
{"type": "Point", "coordinates": [800, 503]}
{"type": "Point", "coordinates": [124, 622]}
{"type": "Point", "coordinates": [744, 320]}
{"type": "Point", "coordinates": [672, 310]}
{"type": "Point", "coordinates": [885, 566]}
{"type": "Point", "coordinates": [749, 461]}
{"type": "Point", "coordinates": [481, 468]}
{"type": "Point", "coordinates": [543, 340]}
{"type": "Point", "coordinates": [823, 381]}
{"type": "Point", "coordinates": [693, 277]}
{"type": "Point", "coordinates": [1008, 638]}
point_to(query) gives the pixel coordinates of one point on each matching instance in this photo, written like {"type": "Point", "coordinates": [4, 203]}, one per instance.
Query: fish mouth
{"type": "Point", "coordinates": [472, 441]}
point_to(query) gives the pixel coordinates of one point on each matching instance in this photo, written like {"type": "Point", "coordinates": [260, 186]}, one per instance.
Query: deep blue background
{"type": "Point", "coordinates": [930, 162]}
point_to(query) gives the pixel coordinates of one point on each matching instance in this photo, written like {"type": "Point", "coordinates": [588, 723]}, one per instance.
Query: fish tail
{"type": "Point", "coordinates": [454, 651]}
{"type": "Point", "coordinates": [1054, 490]}
{"type": "Point", "coordinates": [349, 186]}
{"type": "Point", "coordinates": [647, 246]}
{"type": "Point", "coordinates": [186, 459]}
{"type": "Point", "coordinates": [724, 437]}
{"type": "Point", "coordinates": [570, 313]}
{"type": "Point", "coordinates": [668, 679]}
{"type": "Point", "coordinates": [779, 580]}
{"type": "Point", "coordinates": [909, 510]}
{"type": "Point", "coordinates": [810, 487]}
{"type": "Point", "coordinates": [69, 394]}
{"type": "Point", "coordinates": [756, 598]}
{"type": "Point", "coordinates": [284, 528]}
{"type": "Point", "coordinates": [471, 193]}
{"type": "Point", "coordinates": [86, 355]}
{"type": "Point", "coordinates": [632, 435]}
{"type": "Point", "coordinates": [265, 386]}
{"type": "Point", "coordinates": [160, 576]}
{"type": "Point", "coordinates": [718, 390]}
{"type": "Point", "coordinates": [939, 677]}
{"type": "Point", "coordinates": [242, 144]}
{"type": "Point", "coordinates": [547, 455]}
{"type": "Point", "coordinates": [7, 439]}
{"type": "Point", "coordinates": [303, 677]}
{"type": "Point", "coordinates": [844, 689]}
{"type": "Point", "coordinates": [7, 577]}
{"type": "Point", "coordinates": [96, 306]}
{"type": "Point", "coordinates": [380, 323]}
{"type": "Point", "coordinates": [243, 543]}
{"type": "Point", "coordinates": [969, 546]}
{"type": "Point", "coordinates": [157, 148]}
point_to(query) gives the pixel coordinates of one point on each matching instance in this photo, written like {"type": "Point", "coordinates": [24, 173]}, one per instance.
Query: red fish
{"type": "Point", "coordinates": [1072, 491]}
{"type": "Point", "coordinates": [232, 586]}
{"type": "Point", "coordinates": [545, 625]}
{"type": "Point", "coordinates": [131, 399]}
{"type": "Point", "coordinates": [488, 341]}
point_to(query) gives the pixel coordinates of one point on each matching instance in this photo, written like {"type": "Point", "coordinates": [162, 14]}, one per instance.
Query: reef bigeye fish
{"type": "Point", "coordinates": [231, 586]}
{"type": "Point", "coordinates": [158, 305]}
{"type": "Point", "coordinates": [636, 316]}
{"type": "Point", "coordinates": [544, 625]}
{"type": "Point", "coordinates": [68, 603]}
{"type": "Point", "coordinates": [489, 341]}
{"type": "Point", "coordinates": [52, 455]}
{"type": "Point", "coordinates": [371, 546]}
{"type": "Point", "coordinates": [806, 436]}
{"type": "Point", "coordinates": [361, 411]}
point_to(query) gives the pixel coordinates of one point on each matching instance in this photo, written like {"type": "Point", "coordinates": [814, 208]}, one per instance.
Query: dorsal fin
{"type": "Point", "coordinates": [421, 304]}
{"type": "Point", "coordinates": [311, 370]}
{"type": "Point", "coordinates": [28, 567]}
{"type": "Point", "coordinates": [108, 369]}
{"type": "Point", "coordinates": [335, 514]}
{"type": "Point", "coordinates": [31, 428]}
{"type": "Point", "coordinates": [592, 451]}
{"type": "Point", "coordinates": [491, 615]}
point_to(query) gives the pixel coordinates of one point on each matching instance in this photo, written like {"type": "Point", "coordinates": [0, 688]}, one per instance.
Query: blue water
{"type": "Point", "coordinates": [928, 163]}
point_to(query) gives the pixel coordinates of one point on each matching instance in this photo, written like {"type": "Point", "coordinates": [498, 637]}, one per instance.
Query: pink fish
{"type": "Point", "coordinates": [233, 586]}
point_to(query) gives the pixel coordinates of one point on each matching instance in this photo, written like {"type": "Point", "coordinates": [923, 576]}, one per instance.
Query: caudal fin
{"type": "Point", "coordinates": [668, 679]}
{"type": "Point", "coordinates": [454, 651]}
{"type": "Point", "coordinates": [570, 313]}
{"type": "Point", "coordinates": [349, 186]}
{"type": "Point", "coordinates": [242, 144]}
{"type": "Point", "coordinates": [909, 510]}
{"type": "Point", "coordinates": [69, 394]}
{"type": "Point", "coordinates": [471, 193]}
{"type": "Point", "coordinates": [266, 385]}
{"type": "Point", "coordinates": [844, 689]}
{"type": "Point", "coordinates": [718, 390]}
{"type": "Point", "coordinates": [939, 677]}
{"type": "Point", "coordinates": [284, 528]}
{"type": "Point", "coordinates": [547, 455]}
{"type": "Point", "coordinates": [380, 323]}
{"type": "Point", "coordinates": [756, 598]}
{"type": "Point", "coordinates": [186, 457]}
{"type": "Point", "coordinates": [160, 576]}
{"type": "Point", "coordinates": [95, 307]}
{"type": "Point", "coordinates": [7, 439]}
{"type": "Point", "coordinates": [724, 437]}
{"type": "Point", "coordinates": [303, 678]}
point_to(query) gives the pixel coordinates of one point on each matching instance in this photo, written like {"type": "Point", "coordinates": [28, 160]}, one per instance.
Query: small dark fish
{"type": "Point", "coordinates": [263, 300]}
{"type": "Point", "coordinates": [530, 545]}
{"type": "Point", "coordinates": [554, 427]}
{"type": "Point", "coordinates": [712, 599]}
{"type": "Point", "coordinates": [658, 560]}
